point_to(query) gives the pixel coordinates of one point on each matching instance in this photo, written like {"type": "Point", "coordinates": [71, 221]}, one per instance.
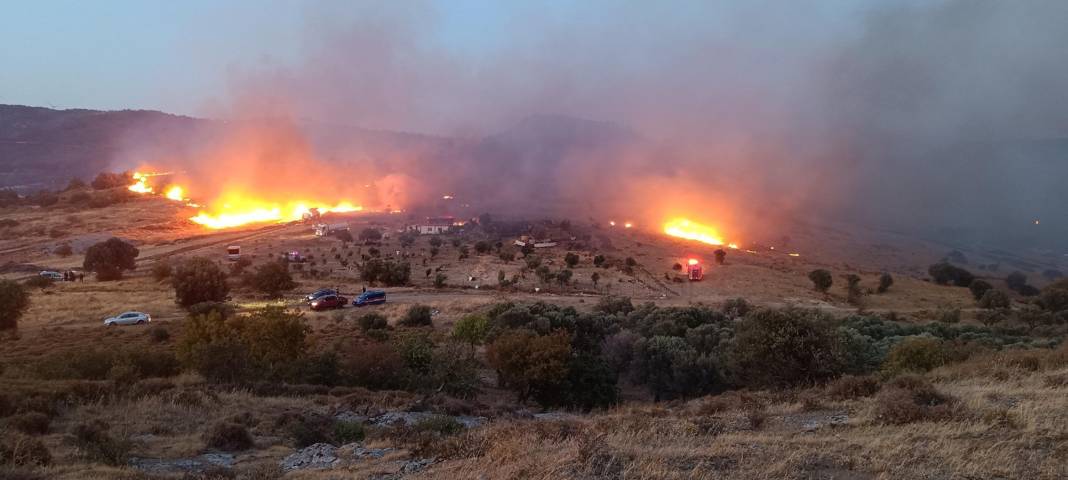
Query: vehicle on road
{"type": "Point", "coordinates": [128, 318]}
{"type": "Point", "coordinates": [52, 275]}
{"type": "Point", "coordinates": [319, 293]}
{"type": "Point", "coordinates": [370, 297]}
{"type": "Point", "coordinates": [329, 301]}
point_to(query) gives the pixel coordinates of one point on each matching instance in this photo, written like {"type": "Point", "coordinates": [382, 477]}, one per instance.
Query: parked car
{"type": "Point", "coordinates": [319, 293]}
{"type": "Point", "coordinates": [370, 297]}
{"type": "Point", "coordinates": [129, 318]}
{"type": "Point", "coordinates": [53, 275]}
{"type": "Point", "coordinates": [329, 301]}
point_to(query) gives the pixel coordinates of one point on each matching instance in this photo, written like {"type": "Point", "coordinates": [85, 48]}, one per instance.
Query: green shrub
{"type": "Point", "coordinates": [531, 365]}
{"type": "Point", "coordinates": [471, 329]}
{"type": "Point", "coordinates": [348, 432]}
{"type": "Point", "coordinates": [995, 299]}
{"type": "Point", "coordinates": [228, 437]}
{"type": "Point", "coordinates": [386, 271]}
{"type": "Point", "coordinates": [108, 259]}
{"type": "Point", "coordinates": [377, 366]}
{"type": "Point", "coordinates": [440, 279]}
{"type": "Point", "coordinates": [571, 260]}
{"type": "Point", "coordinates": [885, 281]}
{"type": "Point", "coordinates": [272, 278]}
{"type": "Point", "coordinates": [786, 347]}
{"type": "Point", "coordinates": [945, 273]}
{"type": "Point", "coordinates": [373, 321]}
{"type": "Point", "coordinates": [417, 316]}
{"type": "Point", "coordinates": [1054, 297]}
{"type": "Point", "coordinates": [979, 287]}
{"type": "Point", "coordinates": [736, 307]}
{"type": "Point", "coordinates": [672, 368]}
{"type": "Point", "coordinates": [439, 424]}
{"type": "Point", "coordinates": [821, 280]}
{"type": "Point", "coordinates": [614, 305]}
{"type": "Point", "coordinates": [14, 301]}
{"type": "Point", "coordinates": [199, 280]}
{"type": "Point", "coordinates": [269, 342]}
{"type": "Point", "coordinates": [914, 354]}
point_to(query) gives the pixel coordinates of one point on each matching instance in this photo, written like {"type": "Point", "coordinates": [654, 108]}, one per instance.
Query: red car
{"type": "Point", "coordinates": [328, 301]}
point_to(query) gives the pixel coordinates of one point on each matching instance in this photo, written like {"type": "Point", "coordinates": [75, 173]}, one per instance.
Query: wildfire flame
{"type": "Point", "coordinates": [235, 211]}
{"type": "Point", "coordinates": [175, 193]}
{"type": "Point", "coordinates": [690, 230]}
{"type": "Point", "coordinates": [140, 183]}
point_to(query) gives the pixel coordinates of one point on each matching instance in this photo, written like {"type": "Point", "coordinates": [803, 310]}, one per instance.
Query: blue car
{"type": "Point", "coordinates": [370, 297]}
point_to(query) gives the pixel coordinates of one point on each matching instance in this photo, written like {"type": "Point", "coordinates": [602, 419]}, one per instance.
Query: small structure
{"type": "Point", "coordinates": [433, 226]}
{"type": "Point", "coordinates": [528, 240]}
{"type": "Point", "coordinates": [233, 252]}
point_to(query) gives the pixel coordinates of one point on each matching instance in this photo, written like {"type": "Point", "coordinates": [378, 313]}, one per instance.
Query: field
{"type": "Point", "coordinates": [112, 402]}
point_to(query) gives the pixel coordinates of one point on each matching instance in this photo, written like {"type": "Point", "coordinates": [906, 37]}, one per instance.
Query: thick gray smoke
{"type": "Point", "coordinates": [937, 117]}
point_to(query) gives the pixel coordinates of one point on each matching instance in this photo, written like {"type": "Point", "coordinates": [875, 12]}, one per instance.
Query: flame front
{"type": "Point", "coordinates": [140, 183]}
{"type": "Point", "coordinates": [236, 210]}
{"type": "Point", "coordinates": [690, 230]}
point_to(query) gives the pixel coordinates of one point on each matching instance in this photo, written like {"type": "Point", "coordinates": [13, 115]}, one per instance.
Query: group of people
{"type": "Point", "coordinates": [70, 276]}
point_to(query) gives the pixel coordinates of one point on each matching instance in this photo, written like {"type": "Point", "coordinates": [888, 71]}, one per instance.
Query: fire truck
{"type": "Point", "coordinates": [233, 252]}
{"type": "Point", "coordinates": [694, 272]}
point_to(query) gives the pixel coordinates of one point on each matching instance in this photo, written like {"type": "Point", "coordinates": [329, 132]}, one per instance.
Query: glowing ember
{"type": "Point", "coordinates": [234, 211]}
{"type": "Point", "coordinates": [175, 193]}
{"type": "Point", "coordinates": [612, 223]}
{"type": "Point", "coordinates": [794, 254]}
{"type": "Point", "coordinates": [628, 225]}
{"type": "Point", "coordinates": [683, 228]}
{"type": "Point", "coordinates": [732, 245]}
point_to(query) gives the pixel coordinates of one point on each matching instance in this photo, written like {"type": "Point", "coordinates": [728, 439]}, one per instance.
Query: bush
{"type": "Point", "coordinates": [370, 235]}
{"type": "Point", "coordinates": [531, 365]}
{"type": "Point", "coordinates": [39, 282]}
{"type": "Point", "coordinates": [159, 334]}
{"type": "Point", "coordinates": [914, 354]}
{"type": "Point", "coordinates": [471, 329]}
{"type": "Point", "coordinates": [228, 437]}
{"type": "Point", "coordinates": [853, 288]}
{"type": "Point", "coordinates": [108, 259]}
{"type": "Point", "coordinates": [269, 342]}
{"type": "Point", "coordinates": [850, 387]}
{"type": "Point", "coordinates": [945, 273]}
{"type": "Point", "coordinates": [736, 307]}
{"type": "Point", "coordinates": [911, 399]}
{"type": "Point", "coordinates": [885, 281]}
{"type": "Point", "coordinates": [386, 271]}
{"type": "Point", "coordinates": [779, 348]}
{"type": "Point", "coordinates": [272, 278]}
{"type": "Point", "coordinates": [978, 288]}
{"type": "Point", "coordinates": [379, 366]}
{"type": "Point", "coordinates": [108, 180]}
{"type": "Point", "coordinates": [439, 280]}
{"type": "Point", "coordinates": [1016, 281]}
{"type": "Point", "coordinates": [417, 316]}
{"type": "Point", "coordinates": [720, 256]}
{"type": "Point", "coordinates": [373, 321]}
{"type": "Point", "coordinates": [671, 368]}
{"type": "Point", "coordinates": [598, 260]}
{"type": "Point", "coordinates": [821, 280]}
{"type": "Point", "coordinates": [162, 270]}
{"type": "Point", "coordinates": [613, 305]}
{"type": "Point", "coordinates": [348, 432]}
{"type": "Point", "coordinates": [571, 260]}
{"type": "Point", "coordinates": [96, 444]}
{"type": "Point", "coordinates": [30, 423]}
{"type": "Point", "coordinates": [223, 309]}
{"type": "Point", "coordinates": [199, 280]}
{"type": "Point", "coordinates": [64, 250]}
{"type": "Point", "coordinates": [439, 424]}
{"type": "Point", "coordinates": [507, 256]}
{"type": "Point", "coordinates": [20, 450]}
{"type": "Point", "coordinates": [995, 299]}
{"type": "Point", "coordinates": [482, 247]}
{"type": "Point", "coordinates": [14, 301]}
{"type": "Point", "coordinates": [1054, 297]}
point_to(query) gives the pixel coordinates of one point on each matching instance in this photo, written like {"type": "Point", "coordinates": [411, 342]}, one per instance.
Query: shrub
{"type": "Point", "coordinates": [199, 280]}
{"type": "Point", "coordinates": [531, 365]}
{"type": "Point", "coordinates": [821, 280]}
{"type": "Point", "coordinates": [14, 301]}
{"type": "Point", "coordinates": [379, 365]}
{"type": "Point", "coordinates": [853, 288]}
{"type": "Point", "coordinates": [348, 432]}
{"type": "Point", "coordinates": [268, 342]}
{"type": "Point", "coordinates": [614, 305]}
{"type": "Point", "coordinates": [64, 250]}
{"type": "Point", "coordinates": [1055, 296]}
{"type": "Point", "coordinates": [849, 387]}
{"type": "Point", "coordinates": [507, 256]}
{"type": "Point", "coordinates": [370, 235]}
{"type": "Point", "coordinates": [471, 329]}
{"type": "Point", "coordinates": [720, 256]}
{"type": "Point", "coordinates": [39, 282]}
{"type": "Point", "coordinates": [885, 281]}
{"type": "Point", "coordinates": [978, 288]}
{"type": "Point", "coordinates": [945, 273]}
{"type": "Point", "coordinates": [20, 450]}
{"type": "Point", "coordinates": [1016, 281]}
{"type": "Point", "coordinates": [435, 242]}
{"type": "Point", "coordinates": [786, 347]}
{"type": "Point", "coordinates": [162, 270]}
{"type": "Point", "coordinates": [736, 307]}
{"type": "Point", "coordinates": [228, 437]}
{"type": "Point", "coordinates": [417, 316]}
{"type": "Point", "coordinates": [439, 424]}
{"type": "Point", "coordinates": [482, 247]}
{"type": "Point", "coordinates": [159, 334]}
{"type": "Point", "coordinates": [671, 368]}
{"type": "Point", "coordinates": [914, 354]}
{"type": "Point", "coordinates": [272, 278]}
{"type": "Point", "coordinates": [911, 399]}
{"type": "Point", "coordinates": [598, 260]}
{"type": "Point", "coordinates": [631, 262]}
{"type": "Point", "coordinates": [439, 280]}
{"type": "Point", "coordinates": [373, 321]}
{"type": "Point", "coordinates": [386, 271]}
{"type": "Point", "coordinates": [346, 237]}
{"type": "Point", "coordinates": [571, 260]}
{"type": "Point", "coordinates": [994, 299]}
{"type": "Point", "coordinates": [108, 180]}
{"type": "Point", "coordinates": [30, 423]}
{"type": "Point", "coordinates": [96, 444]}
{"type": "Point", "coordinates": [223, 309]}
{"type": "Point", "coordinates": [108, 259]}
{"type": "Point", "coordinates": [591, 383]}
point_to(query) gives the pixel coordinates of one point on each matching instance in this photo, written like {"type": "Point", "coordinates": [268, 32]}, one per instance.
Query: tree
{"type": "Point", "coordinates": [995, 299]}
{"type": "Point", "coordinates": [75, 184]}
{"type": "Point", "coordinates": [532, 262]}
{"type": "Point", "coordinates": [596, 277]}
{"type": "Point", "coordinates": [507, 256]}
{"type": "Point", "coordinates": [885, 281]}
{"type": "Point", "coordinates": [821, 280]}
{"type": "Point", "coordinates": [161, 270]}
{"type": "Point", "coordinates": [531, 365]}
{"type": "Point", "coordinates": [14, 301]}
{"type": "Point", "coordinates": [106, 180]}
{"type": "Point", "coordinates": [781, 348]}
{"type": "Point", "coordinates": [344, 235]}
{"type": "Point", "coordinates": [1016, 281]}
{"type": "Point", "coordinates": [407, 239]}
{"type": "Point", "coordinates": [945, 273]}
{"type": "Point", "coordinates": [1054, 297]}
{"type": "Point", "coordinates": [272, 278]}
{"type": "Point", "coordinates": [370, 235]}
{"type": "Point", "coordinates": [386, 271]}
{"type": "Point", "coordinates": [978, 288]}
{"type": "Point", "coordinates": [571, 260]}
{"type": "Point", "coordinates": [563, 277]}
{"type": "Point", "coordinates": [199, 280]}
{"type": "Point", "coordinates": [598, 260]}
{"type": "Point", "coordinates": [417, 316]}
{"type": "Point", "coordinates": [672, 368]}
{"type": "Point", "coordinates": [108, 259]}
{"type": "Point", "coordinates": [853, 291]}
{"type": "Point", "coordinates": [720, 255]}
{"type": "Point", "coordinates": [471, 329]}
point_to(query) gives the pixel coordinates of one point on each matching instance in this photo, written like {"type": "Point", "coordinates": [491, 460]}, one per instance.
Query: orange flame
{"type": "Point", "coordinates": [690, 230]}
{"type": "Point", "coordinates": [141, 183]}
{"type": "Point", "coordinates": [235, 210]}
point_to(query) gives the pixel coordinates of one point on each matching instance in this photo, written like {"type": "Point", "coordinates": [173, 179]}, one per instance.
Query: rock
{"type": "Point", "coordinates": [183, 465]}
{"type": "Point", "coordinates": [317, 456]}
{"type": "Point", "coordinates": [410, 419]}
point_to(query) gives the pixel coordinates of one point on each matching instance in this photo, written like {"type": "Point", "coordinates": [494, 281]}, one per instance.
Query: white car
{"type": "Point", "coordinates": [128, 318]}
{"type": "Point", "coordinates": [52, 275]}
